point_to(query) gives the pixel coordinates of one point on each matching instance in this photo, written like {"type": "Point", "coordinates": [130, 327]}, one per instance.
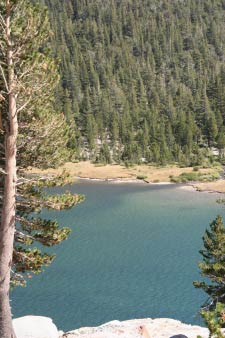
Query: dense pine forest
{"type": "Point", "coordinates": [141, 80]}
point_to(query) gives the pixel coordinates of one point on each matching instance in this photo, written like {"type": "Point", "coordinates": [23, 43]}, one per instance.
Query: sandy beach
{"type": "Point", "coordinates": [138, 173]}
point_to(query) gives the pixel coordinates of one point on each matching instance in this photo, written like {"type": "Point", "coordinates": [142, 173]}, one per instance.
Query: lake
{"type": "Point", "coordinates": [133, 253]}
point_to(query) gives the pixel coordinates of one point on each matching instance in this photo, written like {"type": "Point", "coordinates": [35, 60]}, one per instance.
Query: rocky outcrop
{"type": "Point", "coordinates": [137, 328]}
{"type": "Point", "coordinates": [42, 327]}
{"type": "Point", "coordinates": [35, 327]}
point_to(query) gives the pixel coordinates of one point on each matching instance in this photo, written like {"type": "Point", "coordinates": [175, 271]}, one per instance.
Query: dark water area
{"type": "Point", "coordinates": [133, 253]}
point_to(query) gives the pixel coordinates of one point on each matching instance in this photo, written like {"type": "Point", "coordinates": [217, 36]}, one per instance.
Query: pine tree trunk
{"type": "Point", "coordinates": [7, 230]}
{"type": "Point", "coordinates": [6, 329]}
{"type": "Point", "coordinates": [7, 227]}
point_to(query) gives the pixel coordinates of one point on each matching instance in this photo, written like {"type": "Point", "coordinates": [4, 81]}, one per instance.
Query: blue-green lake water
{"type": "Point", "coordinates": [133, 253]}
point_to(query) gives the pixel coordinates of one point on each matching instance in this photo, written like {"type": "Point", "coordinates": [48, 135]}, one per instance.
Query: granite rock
{"type": "Point", "coordinates": [35, 327]}
{"type": "Point", "coordinates": [137, 328]}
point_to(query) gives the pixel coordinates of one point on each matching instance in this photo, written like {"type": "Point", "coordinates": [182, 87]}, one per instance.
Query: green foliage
{"type": "Point", "coordinates": [213, 267]}
{"type": "Point", "coordinates": [215, 320]}
{"type": "Point", "coordinates": [43, 136]}
{"type": "Point", "coordinates": [42, 141]}
{"type": "Point", "coordinates": [221, 142]}
{"type": "Point", "coordinates": [213, 264]}
{"type": "Point", "coordinates": [104, 155]}
{"type": "Point", "coordinates": [141, 177]}
{"type": "Point", "coordinates": [32, 198]}
{"type": "Point", "coordinates": [146, 78]}
{"type": "Point", "coordinates": [195, 176]}
{"type": "Point", "coordinates": [220, 200]}
{"type": "Point", "coordinates": [196, 169]}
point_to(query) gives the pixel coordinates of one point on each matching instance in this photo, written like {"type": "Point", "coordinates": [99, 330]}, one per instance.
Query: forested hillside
{"type": "Point", "coordinates": [145, 79]}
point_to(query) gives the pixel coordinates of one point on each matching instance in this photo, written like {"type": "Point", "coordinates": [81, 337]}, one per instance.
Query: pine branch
{"type": "Point", "coordinates": [4, 78]}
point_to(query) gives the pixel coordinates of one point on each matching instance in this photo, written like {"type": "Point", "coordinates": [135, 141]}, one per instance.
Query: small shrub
{"type": "Point", "coordinates": [128, 164]}
{"type": "Point", "coordinates": [196, 169]}
{"type": "Point", "coordinates": [220, 200]}
{"type": "Point", "coordinates": [214, 320]}
{"type": "Point", "coordinates": [141, 177]}
{"type": "Point", "coordinates": [216, 164]}
{"type": "Point", "coordinates": [177, 179]}
{"type": "Point", "coordinates": [99, 164]}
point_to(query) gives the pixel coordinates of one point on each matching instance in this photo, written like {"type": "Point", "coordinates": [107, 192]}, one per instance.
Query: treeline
{"type": "Point", "coordinates": [141, 79]}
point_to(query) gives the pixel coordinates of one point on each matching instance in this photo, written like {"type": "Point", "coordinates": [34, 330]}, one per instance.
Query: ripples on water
{"type": "Point", "coordinates": [133, 253]}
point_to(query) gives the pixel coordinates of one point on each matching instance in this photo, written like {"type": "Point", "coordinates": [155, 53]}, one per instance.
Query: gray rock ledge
{"type": "Point", "coordinates": [43, 327]}
{"type": "Point", "coordinates": [137, 328]}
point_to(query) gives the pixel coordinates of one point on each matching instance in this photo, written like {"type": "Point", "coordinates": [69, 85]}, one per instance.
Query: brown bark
{"type": "Point", "coordinates": [1, 125]}
{"type": "Point", "coordinates": [7, 227]}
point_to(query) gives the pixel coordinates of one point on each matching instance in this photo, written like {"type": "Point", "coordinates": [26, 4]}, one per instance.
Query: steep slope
{"type": "Point", "coordinates": [146, 78]}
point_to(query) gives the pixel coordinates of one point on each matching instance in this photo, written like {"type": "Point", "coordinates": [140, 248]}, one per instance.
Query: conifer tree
{"type": "Point", "coordinates": [214, 320]}
{"type": "Point", "coordinates": [221, 142]}
{"type": "Point", "coordinates": [213, 264]}
{"type": "Point", "coordinates": [136, 61]}
{"type": "Point", "coordinates": [30, 134]}
{"type": "Point", "coordinates": [213, 267]}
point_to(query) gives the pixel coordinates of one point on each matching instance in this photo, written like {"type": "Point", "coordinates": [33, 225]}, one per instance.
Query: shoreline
{"type": "Point", "coordinates": [137, 174]}
{"type": "Point", "coordinates": [121, 180]}
{"type": "Point", "coordinates": [192, 187]}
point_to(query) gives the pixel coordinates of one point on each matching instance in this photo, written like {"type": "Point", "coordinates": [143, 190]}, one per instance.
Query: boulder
{"type": "Point", "coordinates": [35, 327]}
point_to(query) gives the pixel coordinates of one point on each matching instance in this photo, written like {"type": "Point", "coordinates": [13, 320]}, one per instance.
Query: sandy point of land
{"type": "Point", "coordinates": [151, 174]}
{"type": "Point", "coordinates": [216, 186]}
{"type": "Point", "coordinates": [148, 173]}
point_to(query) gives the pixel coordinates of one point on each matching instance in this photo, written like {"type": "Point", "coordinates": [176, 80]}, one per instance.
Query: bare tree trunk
{"type": "Point", "coordinates": [7, 227]}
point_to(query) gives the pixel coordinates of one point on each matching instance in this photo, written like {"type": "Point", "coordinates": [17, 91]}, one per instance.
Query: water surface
{"type": "Point", "coordinates": [133, 253]}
